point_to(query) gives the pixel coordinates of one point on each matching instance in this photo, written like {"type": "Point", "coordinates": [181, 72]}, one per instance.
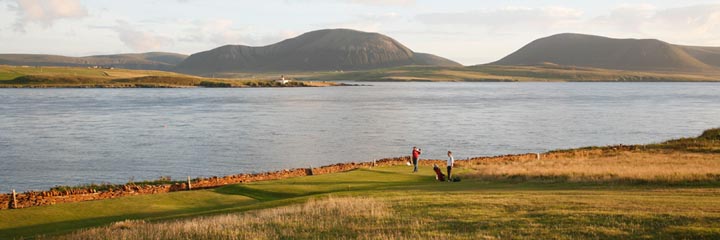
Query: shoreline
{"type": "Point", "coordinates": [704, 143]}
{"type": "Point", "coordinates": [151, 85]}
{"type": "Point", "coordinates": [67, 194]}
{"type": "Point", "coordinates": [311, 84]}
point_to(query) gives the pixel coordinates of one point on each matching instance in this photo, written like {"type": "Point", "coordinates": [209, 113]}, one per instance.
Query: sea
{"type": "Point", "coordinates": [51, 137]}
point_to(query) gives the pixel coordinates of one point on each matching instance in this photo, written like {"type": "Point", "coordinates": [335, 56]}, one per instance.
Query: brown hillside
{"type": "Point", "coordinates": [322, 50]}
{"type": "Point", "coordinates": [601, 52]}
{"type": "Point", "coordinates": [707, 55]}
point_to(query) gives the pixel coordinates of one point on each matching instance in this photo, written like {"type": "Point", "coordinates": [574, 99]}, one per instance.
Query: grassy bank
{"type": "Point", "coordinates": [78, 77]}
{"type": "Point", "coordinates": [24, 76]}
{"type": "Point", "coordinates": [496, 73]}
{"type": "Point", "coordinates": [664, 190]}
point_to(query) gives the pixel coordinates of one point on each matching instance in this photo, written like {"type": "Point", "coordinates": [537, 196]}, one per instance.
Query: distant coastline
{"type": "Point", "coordinates": [82, 77]}
{"type": "Point", "coordinates": [502, 73]}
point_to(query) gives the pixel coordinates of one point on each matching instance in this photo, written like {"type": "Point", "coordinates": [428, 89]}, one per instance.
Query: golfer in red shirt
{"type": "Point", "coordinates": [415, 157]}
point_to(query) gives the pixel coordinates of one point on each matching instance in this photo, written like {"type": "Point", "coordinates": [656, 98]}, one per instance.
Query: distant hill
{"type": "Point", "coordinates": [707, 55]}
{"type": "Point", "coordinates": [609, 53]}
{"type": "Point", "coordinates": [148, 61]}
{"type": "Point", "coordinates": [322, 50]}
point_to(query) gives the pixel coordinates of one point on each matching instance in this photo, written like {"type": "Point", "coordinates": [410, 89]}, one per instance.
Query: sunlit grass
{"type": "Point", "coordinates": [681, 161]}
{"type": "Point", "coordinates": [493, 73]}
{"type": "Point", "coordinates": [70, 216]}
{"type": "Point", "coordinates": [329, 218]}
{"type": "Point", "coordinates": [78, 77]}
{"type": "Point", "coordinates": [619, 167]}
{"type": "Point", "coordinates": [455, 212]}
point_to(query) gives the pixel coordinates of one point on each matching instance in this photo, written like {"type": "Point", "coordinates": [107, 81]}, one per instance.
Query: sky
{"type": "Point", "coordinates": [468, 31]}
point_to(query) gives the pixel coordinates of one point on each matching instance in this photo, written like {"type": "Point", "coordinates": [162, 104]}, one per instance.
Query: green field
{"type": "Point", "coordinates": [666, 190]}
{"type": "Point", "coordinates": [79, 77]}
{"type": "Point", "coordinates": [24, 76]}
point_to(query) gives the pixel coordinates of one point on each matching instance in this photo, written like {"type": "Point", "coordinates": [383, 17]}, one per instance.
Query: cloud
{"type": "Point", "coordinates": [384, 2]}
{"type": "Point", "coordinates": [45, 12]}
{"type": "Point", "coordinates": [138, 40]}
{"type": "Point", "coordinates": [698, 20]}
{"type": "Point", "coordinates": [380, 3]}
{"type": "Point", "coordinates": [224, 31]}
{"type": "Point", "coordinates": [505, 19]}
{"type": "Point", "coordinates": [699, 23]}
{"type": "Point", "coordinates": [626, 17]}
{"type": "Point", "coordinates": [372, 22]}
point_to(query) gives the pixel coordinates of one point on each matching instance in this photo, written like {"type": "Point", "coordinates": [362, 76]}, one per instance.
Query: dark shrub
{"type": "Point", "coordinates": [214, 84]}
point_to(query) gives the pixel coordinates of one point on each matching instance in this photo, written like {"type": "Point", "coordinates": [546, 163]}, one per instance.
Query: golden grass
{"type": "Point", "coordinates": [456, 212]}
{"type": "Point", "coordinates": [11, 72]}
{"type": "Point", "coordinates": [319, 84]}
{"type": "Point", "coordinates": [342, 218]}
{"type": "Point", "coordinates": [542, 73]}
{"type": "Point", "coordinates": [607, 166]}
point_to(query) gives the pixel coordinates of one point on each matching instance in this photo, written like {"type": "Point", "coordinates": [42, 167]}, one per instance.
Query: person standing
{"type": "Point", "coordinates": [415, 157]}
{"type": "Point", "coordinates": [450, 163]}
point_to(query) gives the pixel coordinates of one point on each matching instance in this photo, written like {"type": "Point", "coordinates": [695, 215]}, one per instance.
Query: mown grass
{"type": "Point", "coordinates": [479, 210]}
{"type": "Point", "coordinates": [638, 202]}
{"type": "Point", "coordinates": [66, 217]}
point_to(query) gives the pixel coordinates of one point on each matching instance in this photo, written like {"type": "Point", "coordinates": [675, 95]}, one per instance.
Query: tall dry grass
{"type": "Point", "coordinates": [330, 218]}
{"type": "Point", "coordinates": [598, 166]}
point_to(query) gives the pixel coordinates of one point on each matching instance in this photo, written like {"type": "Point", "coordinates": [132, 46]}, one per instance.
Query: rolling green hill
{"type": "Point", "coordinates": [145, 61]}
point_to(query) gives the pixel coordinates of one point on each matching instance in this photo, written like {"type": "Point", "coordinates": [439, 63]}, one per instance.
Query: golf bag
{"type": "Point", "coordinates": [438, 173]}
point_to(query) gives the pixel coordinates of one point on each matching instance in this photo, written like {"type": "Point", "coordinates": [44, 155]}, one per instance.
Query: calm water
{"type": "Point", "coordinates": [54, 137]}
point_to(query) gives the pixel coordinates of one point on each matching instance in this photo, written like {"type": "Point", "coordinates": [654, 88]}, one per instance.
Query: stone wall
{"type": "Point", "coordinates": [31, 199]}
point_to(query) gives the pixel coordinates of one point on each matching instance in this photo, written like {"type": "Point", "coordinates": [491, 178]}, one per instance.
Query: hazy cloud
{"type": "Point", "coordinates": [698, 20]}
{"type": "Point", "coordinates": [137, 40]}
{"type": "Point", "coordinates": [361, 2]}
{"type": "Point", "coordinates": [700, 23]}
{"type": "Point", "coordinates": [372, 22]}
{"type": "Point", "coordinates": [45, 12]}
{"type": "Point", "coordinates": [692, 23]}
{"type": "Point", "coordinates": [507, 18]}
{"type": "Point", "coordinates": [627, 17]}
{"type": "Point", "coordinates": [384, 2]}
{"type": "Point", "coordinates": [224, 31]}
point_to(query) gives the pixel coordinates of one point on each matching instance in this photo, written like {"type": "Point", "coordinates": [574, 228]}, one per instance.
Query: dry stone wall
{"type": "Point", "coordinates": [32, 199]}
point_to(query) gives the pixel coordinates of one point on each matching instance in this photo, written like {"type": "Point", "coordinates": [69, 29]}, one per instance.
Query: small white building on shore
{"type": "Point", "coordinates": [282, 80]}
